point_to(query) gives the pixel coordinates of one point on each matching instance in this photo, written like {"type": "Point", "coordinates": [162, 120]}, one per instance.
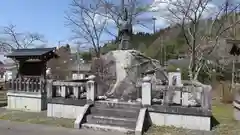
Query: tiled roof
{"type": "Point", "coordinates": [30, 52]}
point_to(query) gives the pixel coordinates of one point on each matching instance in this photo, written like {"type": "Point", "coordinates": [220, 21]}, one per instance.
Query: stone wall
{"type": "Point", "coordinates": [34, 102]}
{"type": "Point", "coordinates": [64, 111]}
{"type": "Point", "coordinates": [181, 121]}
{"type": "Point", "coordinates": [176, 107]}
{"type": "Point", "coordinates": [192, 94]}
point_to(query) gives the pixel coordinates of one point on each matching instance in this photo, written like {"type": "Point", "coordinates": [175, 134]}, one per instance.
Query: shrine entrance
{"type": "Point", "coordinates": [28, 89]}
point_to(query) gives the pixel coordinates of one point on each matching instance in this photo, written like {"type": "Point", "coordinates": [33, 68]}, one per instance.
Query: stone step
{"type": "Point", "coordinates": [113, 121]}
{"type": "Point", "coordinates": [117, 105]}
{"type": "Point", "coordinates": [122, 113]}
{"type": "Point", "coordinates": [107, 128]}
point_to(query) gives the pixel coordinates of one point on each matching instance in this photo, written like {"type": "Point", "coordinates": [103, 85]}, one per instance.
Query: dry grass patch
{"type": "Point", "coordinates": [35, 118]}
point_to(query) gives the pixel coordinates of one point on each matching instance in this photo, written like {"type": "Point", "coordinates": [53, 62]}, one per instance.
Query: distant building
{"type": "Point", "coordinates": [80, 70]}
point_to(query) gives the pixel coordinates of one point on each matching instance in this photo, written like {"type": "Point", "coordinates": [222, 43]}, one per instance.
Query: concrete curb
{"type": "Point", "coordinates": [80, 118]}
{"type": "Point", "coordinates": [140, 121]}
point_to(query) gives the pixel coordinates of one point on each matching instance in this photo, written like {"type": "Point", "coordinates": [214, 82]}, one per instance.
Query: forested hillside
{"type": "Point", "coordinates": [167, 43]}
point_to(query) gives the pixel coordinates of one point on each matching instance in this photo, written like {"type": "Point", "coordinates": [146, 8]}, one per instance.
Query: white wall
{"type": "Point", "coordinates": [181, 121]}
{"type": "Point", "coordinates": [64, 111]}
{"type": "Point", "coordinates": [26, 102]}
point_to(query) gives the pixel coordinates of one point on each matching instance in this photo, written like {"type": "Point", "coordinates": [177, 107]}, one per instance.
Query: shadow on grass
{"type": "Point", "coordinates": [214, 122]}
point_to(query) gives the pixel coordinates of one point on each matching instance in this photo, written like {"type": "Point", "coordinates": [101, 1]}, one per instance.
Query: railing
{"type": "Point", "coordinates": [85, 89]}
{"type": "Point", "coordinates": [66, 89]}
{"type": "Point", "coordinates": [190, 95]}
{"type": "Point", "coordinates": [29, 84]}
{"type": "Point", "coordinates": [173, 95]}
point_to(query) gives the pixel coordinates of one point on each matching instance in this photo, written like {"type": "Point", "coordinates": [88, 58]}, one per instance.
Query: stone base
{"type": "Point", "coordinates": [25, 101]}
{"type": "Point", "coordinates": [181, 121]}
{"type": "Point", "coordinates": [64, 111]}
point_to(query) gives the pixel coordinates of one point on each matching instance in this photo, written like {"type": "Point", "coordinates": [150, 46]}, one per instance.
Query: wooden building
{"type": "Point", "coordinates": [28, 90]}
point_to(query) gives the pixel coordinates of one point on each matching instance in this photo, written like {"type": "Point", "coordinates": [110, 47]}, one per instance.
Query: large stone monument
{"type": "Point", "coordinates": [123, 70]}
{"type": "Point", "coordinates": [120, 70]}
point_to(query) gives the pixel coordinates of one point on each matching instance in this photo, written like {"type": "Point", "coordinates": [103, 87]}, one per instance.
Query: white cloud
{"type": "Point", "coordinates": [161, 12]}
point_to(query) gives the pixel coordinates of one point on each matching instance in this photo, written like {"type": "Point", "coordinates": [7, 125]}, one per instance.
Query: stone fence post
{"type": "Point", "coordinates": [91, 89]}
{"type": "Point", "coordinates": [147, 91]}
{"type": "Point", "coordinates": [207, 97]}
{"type": "Point", "coordinates": [49, 88]}
{"type": "Point", "coordinates": [76, 92]}
{"type": "Point", "coordinates": [63, 91]}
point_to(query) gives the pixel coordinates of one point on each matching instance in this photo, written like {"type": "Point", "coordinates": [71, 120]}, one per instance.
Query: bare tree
{"type": "Point", "coordinates": [60, 67]}
{"type": "Point", "coordinates": [114, 12]}
{"type": "Point", "coordinates": [16, 40]}
{"type": "Point", "coordinates": [201, 31]}
{"type": "Point", "coordinates": [89, 20]}
{"type": "Point", "coordinates": [86, 24]}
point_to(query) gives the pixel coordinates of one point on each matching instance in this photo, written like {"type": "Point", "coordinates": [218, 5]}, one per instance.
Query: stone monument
{"type": "Point", "coordinates": [121, 69]}
{"type": "Point", "coordinates": [125, 70]}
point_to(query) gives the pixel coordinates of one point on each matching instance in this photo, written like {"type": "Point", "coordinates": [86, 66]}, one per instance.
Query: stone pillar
{"type": "Point", "coordinates": [91, 89]}
{"type": "Point", "coordinates": [175, 82]}
{"type": "Point", "coordinates": [63, 91]}
{"type": "Point", "coordinates": [28, 85]}
{"type": "Point", "coordinates": [186, 95]}
{"type": "Point", "coordinates": [207, 97]}
{"type": "Point", "coordinates": [49, 88]}
{"type": "Point", "coordinates": [147, 91]}
{"type": "Point", "coordinates": [13, 84]}
{"type": "Point", "coordinates": [20, 84]}
{"type": "Point", "coordinates": [76, 92]}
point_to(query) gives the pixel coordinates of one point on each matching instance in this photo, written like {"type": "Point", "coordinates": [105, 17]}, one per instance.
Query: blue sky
{"type": "Point", "coordinates": [43, 16]}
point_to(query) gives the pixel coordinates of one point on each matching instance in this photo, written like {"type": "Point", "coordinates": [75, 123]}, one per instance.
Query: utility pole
{"type": "Point", "coordinates": [154, 25]}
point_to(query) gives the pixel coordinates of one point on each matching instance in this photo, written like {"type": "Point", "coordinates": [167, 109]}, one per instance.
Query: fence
{"type": "Point", "coordinates": [199, 96]}
{"type": "Point", "coordinates": [68, 89]}
{"type": "Point", "coordinates": [72, 89]}
{"type": "Point", "coordinates": [28, 84]}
